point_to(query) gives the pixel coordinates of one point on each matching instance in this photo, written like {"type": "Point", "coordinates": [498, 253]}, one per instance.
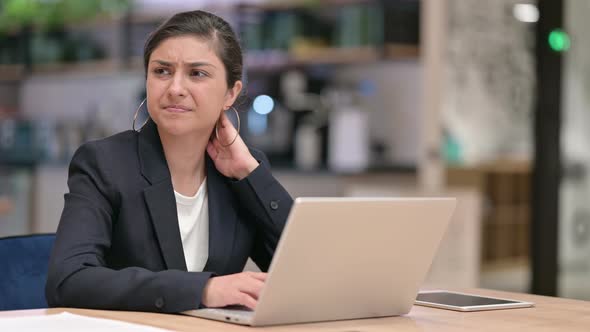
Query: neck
{"type": "Point", "coordinates": [185, 156]}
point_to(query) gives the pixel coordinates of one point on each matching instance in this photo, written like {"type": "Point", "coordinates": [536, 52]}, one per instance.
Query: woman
{"type": "Point", "coordinates": [165, 218]}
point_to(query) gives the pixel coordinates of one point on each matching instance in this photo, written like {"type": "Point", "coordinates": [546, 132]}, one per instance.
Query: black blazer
{"type": "Point", "coordinates": [118, 243]}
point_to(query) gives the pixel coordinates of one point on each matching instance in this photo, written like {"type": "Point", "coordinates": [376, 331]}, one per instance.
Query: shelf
{"type": "Point", "coordinates": [298, 4]}
{"type": "Point", "coordinates": [151, 17]}
{"type": "Point", "coordinates": [159, 15]}
{"type": "Point", "coordinates": [94, 66]}
{"type": "Point", "coordinates": [15, 73]}
{"type": "Point", "coordinates": [253, 61]}
{"type": "Point", "coordinates": [11, 73]}
{"type": "Point", "coordinates": [335, 55]}
{"type": "Point", "coordinates": [99, 21]}
{"type": "Point", "coordinates": [401, 51]}
{"type": "Point", "coordinates": [509, 166]}
{"type": "Point", "coordinates": [273, 60]}
{"type": "Point", "coordinates": [265, 60]}
{"type": "Point", "coordinates": [147, 18]}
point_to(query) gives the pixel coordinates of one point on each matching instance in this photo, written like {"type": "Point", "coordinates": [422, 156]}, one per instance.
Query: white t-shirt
{"type": "Point", "coordinates": [193, 221]}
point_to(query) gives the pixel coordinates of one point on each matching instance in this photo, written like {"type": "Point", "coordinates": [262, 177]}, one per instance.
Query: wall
{"type": "Point", "coordinates": [574, 219]}
{"type": "Point", "coordinates": [490, 80]}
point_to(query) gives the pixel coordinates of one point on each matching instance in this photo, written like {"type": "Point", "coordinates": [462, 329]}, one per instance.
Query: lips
{"type": "Point", "coordinates": [177, 108]}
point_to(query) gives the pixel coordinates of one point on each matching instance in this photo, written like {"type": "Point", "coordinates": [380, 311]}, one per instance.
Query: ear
{"type": "Point", "coordinates": [233, 93]}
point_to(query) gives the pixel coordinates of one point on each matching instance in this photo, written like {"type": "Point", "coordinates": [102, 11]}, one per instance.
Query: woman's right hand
{"type": "Point", "coordinates": [235, 289]}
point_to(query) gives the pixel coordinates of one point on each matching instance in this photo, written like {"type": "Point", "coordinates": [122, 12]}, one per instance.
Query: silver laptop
{"type": "Point", "coordinates": [347, 258]}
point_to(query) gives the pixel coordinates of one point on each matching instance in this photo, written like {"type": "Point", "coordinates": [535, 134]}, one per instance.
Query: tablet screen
{"type": "Point", "coordinates": [459, 300]}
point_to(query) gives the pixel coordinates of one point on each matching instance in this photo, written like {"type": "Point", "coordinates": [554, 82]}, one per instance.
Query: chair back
{"type": "Point", "coordinates": [23, 271]}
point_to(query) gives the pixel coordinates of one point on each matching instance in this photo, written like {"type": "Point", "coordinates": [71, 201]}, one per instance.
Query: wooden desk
{"type": "Point", "coordinates": [550, 314]}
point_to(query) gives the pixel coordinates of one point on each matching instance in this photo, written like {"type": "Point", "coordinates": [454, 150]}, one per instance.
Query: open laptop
{"type": "Point", "coordinates": [347, 258]}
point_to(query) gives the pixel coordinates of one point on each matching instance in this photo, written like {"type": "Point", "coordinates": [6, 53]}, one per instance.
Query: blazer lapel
{"type": "Point", "coordinates": [222, 219]}
{"type": "Point", "coordinates": [160, 196]}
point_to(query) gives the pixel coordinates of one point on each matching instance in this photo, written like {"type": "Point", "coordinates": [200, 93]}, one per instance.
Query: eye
{"type": "Point", "coordinates": [198, 73]}
{"type": "Point", "coordinates": [161, 71]}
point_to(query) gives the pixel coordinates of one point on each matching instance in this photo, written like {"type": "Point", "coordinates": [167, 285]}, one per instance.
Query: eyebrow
{"type": "Point", "coordinates": [191, 64]}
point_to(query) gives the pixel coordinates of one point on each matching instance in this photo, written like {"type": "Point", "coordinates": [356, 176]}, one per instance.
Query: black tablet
{"type": "Point", "coordinates": [466, 302]}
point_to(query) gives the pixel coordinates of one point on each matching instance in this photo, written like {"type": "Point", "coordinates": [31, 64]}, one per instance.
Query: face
{"type": "Point", "coordinates": [186, 86]}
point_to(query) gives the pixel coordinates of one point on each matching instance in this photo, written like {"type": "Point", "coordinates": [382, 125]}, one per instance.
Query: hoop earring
{"type": "Point", "coordinates": [137, 114]}
{"type": "Point", "coordinates": [237, 133]}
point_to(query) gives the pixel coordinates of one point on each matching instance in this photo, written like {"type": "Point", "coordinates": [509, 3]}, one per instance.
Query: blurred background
{"type": "Point", "coordinates": [486, 101]}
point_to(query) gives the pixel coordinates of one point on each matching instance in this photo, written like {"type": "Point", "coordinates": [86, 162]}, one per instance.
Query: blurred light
{"type": "Point", "coordinates": [526, 12]}
{"type": "Point", "coordinates": [257, 123]}
{"type": "Point", "coordinates": [263, 104]}
{"type": "Point", "coordinates": [559, 41]}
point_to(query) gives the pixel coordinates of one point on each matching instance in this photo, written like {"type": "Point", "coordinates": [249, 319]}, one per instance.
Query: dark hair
{"type": "Point", "coordinates": [204, 25]}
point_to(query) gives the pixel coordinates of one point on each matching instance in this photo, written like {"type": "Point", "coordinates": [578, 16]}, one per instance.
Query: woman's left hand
{"type": "Point", "coordinates": [234, 161]}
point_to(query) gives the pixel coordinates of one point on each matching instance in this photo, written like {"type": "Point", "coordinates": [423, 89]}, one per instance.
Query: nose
{"type": "Point", "coordinates": [177, 86]}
